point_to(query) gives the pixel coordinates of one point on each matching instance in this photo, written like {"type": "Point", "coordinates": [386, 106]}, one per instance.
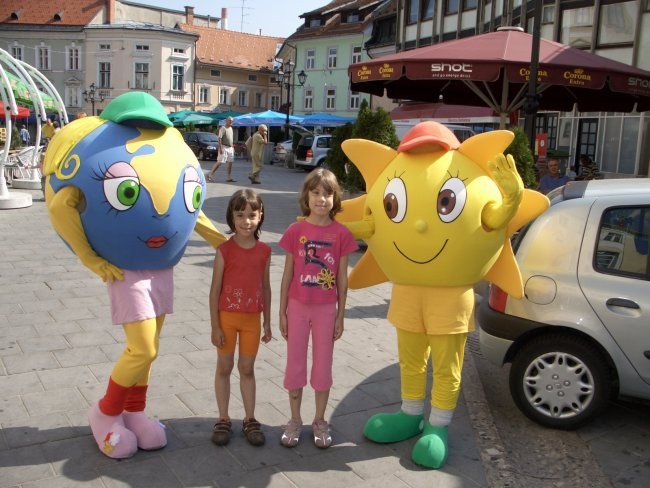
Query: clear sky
{"type": "Point", "coordinates": [278, 18]}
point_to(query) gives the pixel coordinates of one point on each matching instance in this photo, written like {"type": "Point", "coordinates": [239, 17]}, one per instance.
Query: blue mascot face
{"type": "Point", "coordinates": [143, 190]}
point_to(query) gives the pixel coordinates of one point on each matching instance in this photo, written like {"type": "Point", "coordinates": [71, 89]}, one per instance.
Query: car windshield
{"type": "Point", "coordinates": [207, 137]}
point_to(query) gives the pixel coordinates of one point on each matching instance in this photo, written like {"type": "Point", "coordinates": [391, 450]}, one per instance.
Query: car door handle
{"type": "Point", "coordinates": [622, 302]}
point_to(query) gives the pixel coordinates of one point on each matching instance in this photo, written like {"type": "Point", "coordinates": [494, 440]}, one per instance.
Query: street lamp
{"type": "Point", "coordinates": [89, 96]}
{"type": "Point", "coordinates": [285, 74]}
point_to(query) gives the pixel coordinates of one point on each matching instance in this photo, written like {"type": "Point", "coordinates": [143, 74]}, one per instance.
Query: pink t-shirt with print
{"type": "Point", "coordinates": [317, 251]}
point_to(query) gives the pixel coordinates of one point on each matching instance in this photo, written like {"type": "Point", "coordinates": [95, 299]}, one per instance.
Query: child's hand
{"type": "Point", "coordinates": [284, 328]}
{"type": "Point", "coordinates": [218, 339]}
{"type": "Point", "coordinates": [268, 335]}
{"type": "Point", "coordinates": [338, 328]}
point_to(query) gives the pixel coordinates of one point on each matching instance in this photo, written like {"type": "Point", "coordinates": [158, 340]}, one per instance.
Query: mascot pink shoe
{"type": "Point", "coordinates": [111, 435]}
{"type": "Point", "coordinates": [150, 433]}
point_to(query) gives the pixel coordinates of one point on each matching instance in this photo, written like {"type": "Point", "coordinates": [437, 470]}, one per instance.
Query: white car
{"type": "Point", "coordinates": [581, 333]}
{"type": "Point", "coordinates": [281, 150]}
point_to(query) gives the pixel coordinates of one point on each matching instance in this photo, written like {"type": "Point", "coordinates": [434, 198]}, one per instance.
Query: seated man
{"type": "Point", "coordinates": [553, 179]}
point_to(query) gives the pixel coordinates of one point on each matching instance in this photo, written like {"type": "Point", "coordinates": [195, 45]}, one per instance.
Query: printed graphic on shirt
{"type": "Point", "coordinates": [317, 253]}
{"type": "Point", "coordinates": [237, 300]}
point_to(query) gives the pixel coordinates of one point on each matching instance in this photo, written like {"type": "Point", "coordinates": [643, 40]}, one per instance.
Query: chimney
{"type": "Point", "coordinates": [224, 18]}
{"type": "Point", "coordinates": [110, 12]}
{"type": "Point", "coordinates": [189, 15]}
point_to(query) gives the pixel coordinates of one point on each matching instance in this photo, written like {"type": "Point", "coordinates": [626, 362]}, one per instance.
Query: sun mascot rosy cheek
{"type": "Point", "coordinates": [437, 219]}
{"type": "Point", "coordinates": [125, 192]}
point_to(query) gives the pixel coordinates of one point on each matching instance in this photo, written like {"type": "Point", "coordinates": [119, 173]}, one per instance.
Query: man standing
{"type": "Point", "coordinates": [553, 179]}
{"type": "Point", "coordinates": [260, 139]}
{"type": "Point", "coordinates": [24, 136]}
{"type": "Point", "coordinates": [226, 151]}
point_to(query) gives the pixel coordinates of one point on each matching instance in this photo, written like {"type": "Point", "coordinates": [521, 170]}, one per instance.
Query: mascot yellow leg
{"type": "Point", "coordinates": [447, 353]}
{"type": "Point", "coordinates": [118, 421]}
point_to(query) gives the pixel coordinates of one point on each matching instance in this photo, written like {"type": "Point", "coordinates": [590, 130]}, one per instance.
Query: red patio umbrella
{"type": "Point", "coordinates": [493, 69]}
{"type": "Point", "coordinates": [23, 112]}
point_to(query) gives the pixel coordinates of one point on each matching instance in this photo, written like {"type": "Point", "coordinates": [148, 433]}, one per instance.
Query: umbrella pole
{"type": "Point", "coordinates": [532, 99]}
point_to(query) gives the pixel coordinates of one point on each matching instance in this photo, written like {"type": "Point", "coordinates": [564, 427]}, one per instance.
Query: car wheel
{"type": "Point", "coordinates": [201, 155]}
{"type": "Point", "coordinates": [559, 381]}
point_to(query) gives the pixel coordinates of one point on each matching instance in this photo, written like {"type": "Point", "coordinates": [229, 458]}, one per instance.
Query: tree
{"type": "Point", "coordinates": [374, 126]}
{"type": "Point", "coordinates": [520, 151]}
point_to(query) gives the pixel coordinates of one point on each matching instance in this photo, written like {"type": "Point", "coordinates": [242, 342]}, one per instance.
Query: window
{"type": "Point", "coordinates": [576, 27]}
{"type": "Point", "coordinates": [451, 7]}
{"type": "Point", "coordinates": [351, 18]}
{"type": "Point", "coordinates": [309, 98]}
{"type": "Point", "coordinates": [204, 94]}
{"type": "Point", "coordinates": [412, 11]}
{"type": "Point", "coordinates": [354, 100]}
{"type": "Point", "coordinates": [17, 52]}
{"type": "Point", "coordinates": [469, 4]}
{"type": "Point", "coordinates": [310, 59]}
{"type": "Point", "coordinates": [617, 23]}
{"type": "Point", "coordinates": [427, 9]}
{"type": "Point", "coordinates": [275, 102]}
{"type": "Point", "coordinates": [252, 77]}
{"type": "Point", "coordinates": [622, 247]}
{"type": "Point", "coordinates": [142, 47]}
{"type": "Point", "coordinates": [242, 98]}
{"type": "Point", "coordinates": [43, 57]}
{"type": "Point", "coordinates": [356, 54]}
{"type": "Point", "coordinates": [142, 76]}
{"type": "Point", "coordinates": [314, 23]}
{"type": "Point", "coordinates": [224, 96]}
{"type": "Point", "coordinates": [215, 73]}
{"type": "Point", "coordinates": [548, 14]}
{"type": "Point", "coordinates": [104, 75]}
{"type": "Point", "coordinates": [104, 47]}
{"type": "Point", "coordinates": [178, 77]}
{"type": "Point", "coordinates": [72, 96]}
{"type": "Point", "coordinates": [258, 100]}
{"type": "Point", "coordinates": [73, 58]}
{"type": "Point", "coordinates": [178, 50]}
{"type": "Point", "coordinates": [330, 99]}
{"type": "Point", "coordinates": [331, 57]}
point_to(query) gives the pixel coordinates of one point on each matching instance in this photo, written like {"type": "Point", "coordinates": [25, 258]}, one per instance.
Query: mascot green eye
{"type": "Point", "coordinates": [122, 193]}
{"type": "Point", "coordinates": [192, 190]}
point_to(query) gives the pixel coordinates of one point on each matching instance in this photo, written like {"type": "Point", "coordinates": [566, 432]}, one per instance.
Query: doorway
{"type": "Point", "coordinates": [586, 143]}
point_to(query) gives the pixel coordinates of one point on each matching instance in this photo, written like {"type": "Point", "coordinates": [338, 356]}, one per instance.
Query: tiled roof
{"type": "Point", "coordinates": [222, 47]}
{"type": "Point", "coordinates": [331, 15]}
{"type": "Point", "coordinates": [49, 12]}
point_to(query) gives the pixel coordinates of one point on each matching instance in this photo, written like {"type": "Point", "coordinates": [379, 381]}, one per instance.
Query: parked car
{"type": "Point", "coordinates": [312, 150]}
{"type": "Point", "coordinates": [280, 151]}
{"type": "Point", "coordinates": [205, 145]}
{"type": "Point", "coordinates": [580, 335]}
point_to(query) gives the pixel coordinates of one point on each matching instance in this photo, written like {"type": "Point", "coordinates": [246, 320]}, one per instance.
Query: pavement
{"type": "Point", "coordinates": [57, 349]}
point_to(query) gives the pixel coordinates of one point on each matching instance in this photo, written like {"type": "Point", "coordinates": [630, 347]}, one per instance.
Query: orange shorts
{"type": "Point", "coordinates": [245, 325]}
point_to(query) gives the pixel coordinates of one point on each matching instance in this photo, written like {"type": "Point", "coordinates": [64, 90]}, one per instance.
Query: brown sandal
{"type": "Point", "coordinates": [253, 432]}
{"type": "Point", "coordinates": [221, 432]}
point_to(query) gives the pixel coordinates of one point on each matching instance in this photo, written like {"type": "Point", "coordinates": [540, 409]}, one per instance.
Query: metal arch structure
{"type": "Point", "coordinates": [32, 79]}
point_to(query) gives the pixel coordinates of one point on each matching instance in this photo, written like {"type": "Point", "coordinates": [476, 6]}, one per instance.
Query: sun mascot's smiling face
{"type": "Point", "coordinates": [438, 213]}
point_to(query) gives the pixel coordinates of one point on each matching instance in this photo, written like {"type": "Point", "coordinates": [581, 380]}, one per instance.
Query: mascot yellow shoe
{"type": "Point", "coordinates": [437, 219]}
{"type": "Point", "coordinates": [125, 193]}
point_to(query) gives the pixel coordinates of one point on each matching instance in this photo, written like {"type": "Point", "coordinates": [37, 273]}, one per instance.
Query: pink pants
{"type": "Point", "coordinates": [319, 320]}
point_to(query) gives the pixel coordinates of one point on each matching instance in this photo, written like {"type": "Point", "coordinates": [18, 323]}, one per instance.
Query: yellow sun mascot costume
{"type": "Point", "coordinates": [125, 192]}
{"type": "Point", "coordinates": [437, 219]}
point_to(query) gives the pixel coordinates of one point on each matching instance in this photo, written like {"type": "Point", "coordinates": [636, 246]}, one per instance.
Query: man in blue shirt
{"type": "Point", "coordinates": [553, 179]}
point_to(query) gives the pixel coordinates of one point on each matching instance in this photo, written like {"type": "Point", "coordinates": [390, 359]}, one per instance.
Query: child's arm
{"type": "Point", "coordinates": [342, 295]}
{"type": "Point", "coordinates": [287, 276]}
{"type": "Point", "coordinates": [266, 314]}
{"type": "Point", "coordinates": [217, 336]}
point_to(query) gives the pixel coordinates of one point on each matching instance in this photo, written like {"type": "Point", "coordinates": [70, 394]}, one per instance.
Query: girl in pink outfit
{"type": "Point", "coordinates": [312, 298]}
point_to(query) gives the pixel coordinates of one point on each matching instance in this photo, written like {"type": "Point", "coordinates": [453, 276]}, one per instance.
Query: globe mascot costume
{"type": "Point", "coordinates": [125, 192]}
{"type": "Point", "coordinates": [437, 218]}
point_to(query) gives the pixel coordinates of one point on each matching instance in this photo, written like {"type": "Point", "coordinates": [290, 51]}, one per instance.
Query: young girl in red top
{"type": "Point", "coordinates": [312, 301]}
{"type": "Point", "coordinates": [240, 291]}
